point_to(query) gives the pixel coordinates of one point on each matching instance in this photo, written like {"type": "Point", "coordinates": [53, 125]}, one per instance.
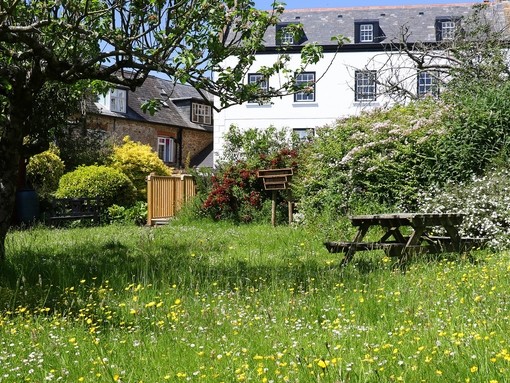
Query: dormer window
{"type": "Point", "coordinates": [115, 100]}
{"type": "Point", "coordinates": [118, 100]}
{"type": "Point", "coordinates": [201, 114]}
{"type": "Point", "coordinates": [287, 37]}
{"type": "Point", "coordinates": [367, 31]}
{"type": "Point", "coordinates": [446, 28]}
{"type": "Point", "coordinates": [289, 34]}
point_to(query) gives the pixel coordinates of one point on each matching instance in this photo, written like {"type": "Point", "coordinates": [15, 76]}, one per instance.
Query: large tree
{"type": "Point", "coordinates": [65, 42]}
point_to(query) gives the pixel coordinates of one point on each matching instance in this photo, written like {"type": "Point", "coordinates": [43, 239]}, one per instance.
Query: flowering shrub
{"type": "Point", "coordinates": [384, 158]}
{"type": "Point", "coordinates": [484, 199]}
{"type": "Point", "coordinates": [377, 157]}
{"type": "Point", "coordinates": [137, 161]}
{"type": "Point", "coordinates": [236, 192]}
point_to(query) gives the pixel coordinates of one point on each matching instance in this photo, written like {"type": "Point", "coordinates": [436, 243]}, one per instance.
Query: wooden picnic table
{"type": "Point", "coordinates": [400, 242]}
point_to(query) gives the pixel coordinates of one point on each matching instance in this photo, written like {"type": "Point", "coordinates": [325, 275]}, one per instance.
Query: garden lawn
{"type": "Point", "coordinates": [213, 302]}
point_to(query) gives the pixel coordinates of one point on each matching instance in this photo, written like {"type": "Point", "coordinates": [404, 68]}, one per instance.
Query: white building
{"type": "Point", "coordinates": [346, 82]}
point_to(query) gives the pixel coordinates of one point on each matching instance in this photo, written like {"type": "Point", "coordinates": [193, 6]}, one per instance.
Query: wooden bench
{"type": "Point", "coordinates": [71, 209]}
{"type": "Point", "coordinates": [392, 249]}
{"type": "Point", "coordinates": [440, 244]}
{"type": "Point", "coordinates": [398, 243]}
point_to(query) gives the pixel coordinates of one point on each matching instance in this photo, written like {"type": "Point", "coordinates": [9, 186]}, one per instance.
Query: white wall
{"type": "Point", "coordinates": [334, 98]}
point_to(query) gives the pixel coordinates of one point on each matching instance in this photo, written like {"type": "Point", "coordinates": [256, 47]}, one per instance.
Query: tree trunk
{"type": "Point", "coordinates": [11, 144]}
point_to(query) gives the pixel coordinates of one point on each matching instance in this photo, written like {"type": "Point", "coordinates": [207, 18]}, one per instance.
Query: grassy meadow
{"type": "Point", "coordinates": [215, 302]}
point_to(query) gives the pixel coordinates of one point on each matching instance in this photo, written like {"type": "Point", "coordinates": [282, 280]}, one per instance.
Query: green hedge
{"type": "Point", "coordinates": [113, 186]}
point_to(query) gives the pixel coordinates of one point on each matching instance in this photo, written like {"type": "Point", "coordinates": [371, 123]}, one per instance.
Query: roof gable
{"type": "Point", "coordinates": [170, 113]}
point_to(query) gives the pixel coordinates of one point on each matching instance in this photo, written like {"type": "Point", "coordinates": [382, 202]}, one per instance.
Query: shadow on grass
{"type": "Point", "coordinates": [34, 278]}
{"type": "Point", "coordinates": [37, 276]}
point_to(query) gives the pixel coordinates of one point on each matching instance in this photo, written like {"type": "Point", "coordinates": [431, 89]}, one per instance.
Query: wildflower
{"type": "Point", "coordinates": [473, 369]}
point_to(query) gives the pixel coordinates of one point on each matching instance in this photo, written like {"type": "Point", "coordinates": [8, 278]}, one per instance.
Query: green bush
{"type": "Point", "coordinates": [236, 192]}
{"type": "Point", "coordinates": [136, 214]}
{"type": "Point", "coordinates": [375, 159]}
{"type": "Point", "coordinates": [383, 159]}
{"type": "Point", "coordinates": [44, 171]}
{"type": "Point", "coordinates": [83, 147]}
{"type": "Point", "coordinates": [476, 134]}
{"type": "Point", "coordinates": [113, 186]}
{"type": "Point", "coordinates": [137, 161]}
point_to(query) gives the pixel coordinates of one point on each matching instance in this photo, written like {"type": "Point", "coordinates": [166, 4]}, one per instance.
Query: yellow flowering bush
{"type": "Point", "coordinates": [137, 161]}
{"type": "Point", "coordinates": [44, 171]}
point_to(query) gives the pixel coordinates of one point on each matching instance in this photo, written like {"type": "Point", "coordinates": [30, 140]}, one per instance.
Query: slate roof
{"type": "Point", "coordinates": [170, 114]}
{"type": "Point", "coordinates": [320, 24]}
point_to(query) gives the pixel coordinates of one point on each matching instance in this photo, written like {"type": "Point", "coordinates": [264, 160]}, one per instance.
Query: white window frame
{"type": "Point", "coordinates": [304, 134]}
{"type": "Point", "coordinates": [115, 100]}
{"type": "Point", "coordinates": [365, 86]}
{"type": "Point", "coordinates": [448, 28]}
{"type": "Point", "coordinates": [201, 113]}
{"type": "Point", "coordinates": [118, 100]}
{"type": "Point", "coordinates": [427, 84]}
{"type": "Point", "coordinates": [366, 33]}
{"type": "Point", "coordinates": [166, 149]}
{"type": "Point", "coordinates": [308, 80]}
{"type": "Point", "coordinates": [260, 79]}
{"type": "Point", "coordinates": [286, 36]}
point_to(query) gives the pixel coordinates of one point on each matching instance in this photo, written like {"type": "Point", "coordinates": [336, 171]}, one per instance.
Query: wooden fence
{"type": "Point", "coordinates": [166, 195]}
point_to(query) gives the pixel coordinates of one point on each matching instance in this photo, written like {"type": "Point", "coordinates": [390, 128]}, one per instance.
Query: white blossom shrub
{"type": "Point", "coordinates": [485, 201]}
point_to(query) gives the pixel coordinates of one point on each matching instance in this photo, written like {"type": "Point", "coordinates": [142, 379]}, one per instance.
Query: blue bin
{"type": "Point", "coordinates": [27, 206]}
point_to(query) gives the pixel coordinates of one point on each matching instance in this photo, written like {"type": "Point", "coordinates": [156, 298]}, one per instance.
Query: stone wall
{"type": "Point", "coordinates": [194, 141]}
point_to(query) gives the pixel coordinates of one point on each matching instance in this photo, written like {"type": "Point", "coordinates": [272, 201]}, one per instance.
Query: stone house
{"type": "Point", "coordinates": [181, 131]}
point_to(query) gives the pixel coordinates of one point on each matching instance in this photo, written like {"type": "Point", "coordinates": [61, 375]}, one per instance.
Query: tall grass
{"type": "Point", "coordinates": [213, 302]}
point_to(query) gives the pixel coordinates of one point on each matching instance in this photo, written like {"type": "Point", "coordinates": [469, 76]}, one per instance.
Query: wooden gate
{"type": "Point", "coordinates": [166, 195]}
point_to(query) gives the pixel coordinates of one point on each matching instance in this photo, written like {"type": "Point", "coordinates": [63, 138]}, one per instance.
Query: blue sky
{"type": "Point", "coordinates": [293, 4]}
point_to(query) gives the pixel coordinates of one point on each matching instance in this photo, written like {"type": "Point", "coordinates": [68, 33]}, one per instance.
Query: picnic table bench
{"type": "Point", "coordinates": [398, 244]}
{"type": "Point", "coordinates": [68, 209]}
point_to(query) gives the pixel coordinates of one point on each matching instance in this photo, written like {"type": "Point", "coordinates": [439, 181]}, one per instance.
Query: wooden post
{"type": "Point", "coordinates": [150, 199]}
{"type": "Point", "coordinates": [290, 205]}
{"type": "Point", "coordinates": [273, 208]}
{"type": "Point", "coordinates": [274, 180]}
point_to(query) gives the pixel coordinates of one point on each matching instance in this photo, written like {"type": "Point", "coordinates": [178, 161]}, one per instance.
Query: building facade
{"type": "Point", "coordinates": [181, 131]}
{"type": "Point", "coordinates": [349, 79]}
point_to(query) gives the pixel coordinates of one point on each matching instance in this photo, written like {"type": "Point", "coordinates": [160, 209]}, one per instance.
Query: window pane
{"type": "Point", "coordinates": [166, 151]}
{"type": "Point", "coordinates": [287, 37]}
{"type": "Point", "coordinates": [259, 79]}
{"type": "Point", "coordinates": [365, 86]}
{"type": "Point", "coordinates": [304, 134]}
{"type": "Point", "coordinates": [118, 100]}
{"type": "Point", "coordinates": [201, 114]}
{"type": "Point", "coordinates": [448, 30]}
{"type": "Point", "coordinates": [427, 84]}
{"type": "Point", "coordinates": [306, 81]}
{"type": "Point", "coordinates": [366, 33]}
